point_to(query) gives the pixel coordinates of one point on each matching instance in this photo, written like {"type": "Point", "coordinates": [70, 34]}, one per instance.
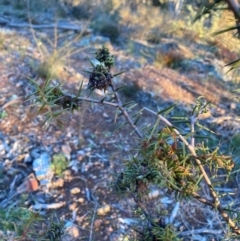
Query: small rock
{"type": "Point", "coordinates": [38, 206]}
{"type": "Point", "coordinates": [98, 223]}
{"type": "Point", "coordinates": [2, 150]}
{"type": "Point", "coordinates": [42, 168]}
{"type": "Point", "coordinates": [109, 230]}
{"type": "Point", "coordinates": [75, 190]}
{"type": "Point", "coordinates": [19, 84]}
{"type": "Point", "coordinates": [27, 158]}
{"type": "Point", "coordinates": [81, 153]}
{"type": "Point", "coordinates": [233, 106]}
{"type": "Point", "coordinates": [81, 200]}
{"type": "Point", "coordinates": [72, 206]}
{"type": "Point", "coordinates": [154, 194]}
{"type": "Point", "coordinates": [80, 158]}
{"type": "Point", "coordinates": [104, 210]}
{"type": "Point", "coordinates": [72, 231]}
{"type": "Point", "coordinates": [105, 115]}
{"type": "Point", "coordinates": [128, 221]}
{"type": "Point", "coordinates": [30, 184]}
{"type": "Point", "coordinates": [66, 149]}
{"type": "Point", "coordinates": [16, 146]}
{"type": "Point", "coordinates": [88, 149]}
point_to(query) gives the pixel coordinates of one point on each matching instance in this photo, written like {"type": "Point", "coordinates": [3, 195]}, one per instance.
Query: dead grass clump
{"type": "Point", "coordinates": [55, 55]}
{"type": "Point", "coordinates": [171, 54]}
{"type": "Point", "coordinates": [152, 24]}
{"type": "Point", "coordinates": [139, 24]}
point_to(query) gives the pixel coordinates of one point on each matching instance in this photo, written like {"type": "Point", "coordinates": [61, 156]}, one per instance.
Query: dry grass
{"type": "Point", "coordinates": [149, 23]}
{"type": "Point", "coordinates": [55, 55]}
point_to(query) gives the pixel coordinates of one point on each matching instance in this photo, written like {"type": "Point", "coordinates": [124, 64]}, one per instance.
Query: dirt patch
{"type": "Point", "coordinates": [168, 84]}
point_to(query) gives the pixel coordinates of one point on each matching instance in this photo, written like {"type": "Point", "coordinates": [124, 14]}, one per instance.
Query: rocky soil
{"type": "Point", "coordinates": [82, 194]}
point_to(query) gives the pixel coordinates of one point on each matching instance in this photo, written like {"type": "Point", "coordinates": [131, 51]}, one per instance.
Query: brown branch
{"type": "Point", "coordinates": [125, 113]}
{"type": "Point", "coordinates": [117, 105]}
{"type": "Point", "coordinates": [203, 200]}
{"type": "Point", "coordinates": [234, 6]}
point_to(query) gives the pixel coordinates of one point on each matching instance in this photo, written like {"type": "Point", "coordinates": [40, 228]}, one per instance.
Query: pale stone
{"type": "Point", "coordinates": [104, 210]}
{"type": "Point", "coordinates": [81, 200]}
{"type": "Point", "coordinates": [73, 231]}
{"type": "Point", "coordinates": [75, 190]}
{"type": "Point", "coordinates": [66, 149]}
{"type": "Point", "coordinates": [72, 206]}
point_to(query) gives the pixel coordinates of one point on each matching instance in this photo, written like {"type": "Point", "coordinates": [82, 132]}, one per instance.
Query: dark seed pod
{"type": "Point", "coordinates": [99, 80]}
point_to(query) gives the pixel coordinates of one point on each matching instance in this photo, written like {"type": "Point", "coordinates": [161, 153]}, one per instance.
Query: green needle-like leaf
{"type": "Point", "coordinates": [120, 87]}
{"type": "Point", "coordinates": [87, 71]}
{"type": "Point", "coordinates": [119, 73]}
{"type": "Point", "coordinates": [128, 103]}
{"type": "Point", "coordinates": [176, 119]}
{"type": "Point", "coordinates": [132, 106]}
{"type": "Point", "coordinates": [205, 128]}
{"type": "Point", "coordinates": [167, 110]}
{"type": "Point", "coordinates": [102, 100]}
{"type": "Point", "coordinates": [124, 124]}
{"type": "Point", "coordinates": [79, 90]}
{"type": "Point", "coordinates": [91, 62]}
{"type": "Point", "coordinates": [225, 30]}
{"type": "Point", "coordinates": [138, 113]}
{"type": "Point", "coordinates": [154, 128]}
{"type": "Point", "coordinates": [136, 121]}
{"type": "Point", "coordinates": [116, 115]}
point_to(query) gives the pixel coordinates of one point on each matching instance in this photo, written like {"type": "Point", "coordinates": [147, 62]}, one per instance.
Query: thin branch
{"type": "Point", "coordinates": [193, 121]}
{"type": "Point", "coordinates": [97, 101]}
{"type": "Point", "coordinates": [92, 221]}
{"type": "Point", "coordinates": [125, 113]}
{"type": "Point", "coordinates": [216, 203]}
{"type": "Point", "coordinates": [203, 200]}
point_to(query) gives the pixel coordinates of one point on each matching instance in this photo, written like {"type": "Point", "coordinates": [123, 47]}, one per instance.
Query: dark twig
{"type": "Point", "coordinates": [125, 113]}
